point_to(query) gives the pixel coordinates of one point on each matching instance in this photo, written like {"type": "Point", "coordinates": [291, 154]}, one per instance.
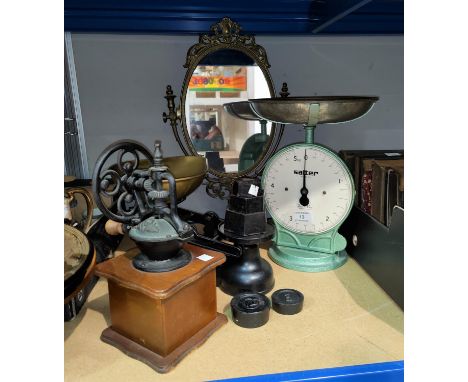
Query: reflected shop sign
{"type": "Point", "coordinates": [218, 83]}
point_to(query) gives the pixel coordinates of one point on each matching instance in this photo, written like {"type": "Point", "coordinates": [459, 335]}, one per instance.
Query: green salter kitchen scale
{"type": "Point", "coordinates": [308, 189]}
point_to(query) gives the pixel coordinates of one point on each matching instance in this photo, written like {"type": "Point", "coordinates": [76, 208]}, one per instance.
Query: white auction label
{"type": "Point", "coordinates": [302, 216]}
{"type": "Point", "coordinates": [204, 257]}
{"type": "Point", "coordinates": [253, 190]}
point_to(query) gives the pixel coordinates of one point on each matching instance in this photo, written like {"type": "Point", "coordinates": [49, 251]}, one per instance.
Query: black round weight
{"type": "Point", "coordinates": [287, 301]}
{"type": "Point", "coordinates": [250, 310]}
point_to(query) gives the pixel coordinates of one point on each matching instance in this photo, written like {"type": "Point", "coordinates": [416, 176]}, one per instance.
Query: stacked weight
{"type": "Point", "coordinates": [245, 225]}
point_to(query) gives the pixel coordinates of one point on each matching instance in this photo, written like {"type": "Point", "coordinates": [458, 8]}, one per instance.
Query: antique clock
{"type": "Point", "coordinates": [309, 190]}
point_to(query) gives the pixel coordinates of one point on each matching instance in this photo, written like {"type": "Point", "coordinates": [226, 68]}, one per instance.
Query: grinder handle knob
{"type": "Point", "coordinates": [114, 228]}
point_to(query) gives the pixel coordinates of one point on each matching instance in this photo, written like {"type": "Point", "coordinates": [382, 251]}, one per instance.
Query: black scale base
{"type": "Point", "coordinates": [249, 272]}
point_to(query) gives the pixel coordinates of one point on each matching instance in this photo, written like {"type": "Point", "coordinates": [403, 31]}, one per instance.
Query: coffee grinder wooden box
{"type": "Point", "coordinates": [158, 318]}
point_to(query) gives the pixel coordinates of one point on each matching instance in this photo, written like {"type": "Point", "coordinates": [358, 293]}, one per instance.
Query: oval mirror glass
{"type": "Point", "coordinates": [230, 144]}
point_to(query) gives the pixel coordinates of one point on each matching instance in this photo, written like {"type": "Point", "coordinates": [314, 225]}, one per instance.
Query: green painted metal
{"type": "Point", "coordinates": [309, 134]}
{"type": "Point", "coordinates": [153, 229]}
{"type": "Point", "coordinates": [314, 110]}
{"type": "Point", "coordinates": [253, 148]}
{"type": "Point", "coordinates": [310, 252]}
{"type": "Point", "coordinates": [306, 260]}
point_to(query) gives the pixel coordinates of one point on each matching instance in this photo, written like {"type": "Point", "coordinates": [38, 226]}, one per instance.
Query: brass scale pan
{"type": "Point", "coordinates": [78, 255]}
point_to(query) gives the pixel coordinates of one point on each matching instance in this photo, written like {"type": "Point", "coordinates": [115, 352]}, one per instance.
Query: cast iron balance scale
{"type": "Point", "coordinates": [308, 189]}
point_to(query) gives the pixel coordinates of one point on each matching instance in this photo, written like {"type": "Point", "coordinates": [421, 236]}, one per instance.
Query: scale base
{"type": "Point", "coordinates": [306, 260]}
{"type": "Point", "coordinates": [249, 272]}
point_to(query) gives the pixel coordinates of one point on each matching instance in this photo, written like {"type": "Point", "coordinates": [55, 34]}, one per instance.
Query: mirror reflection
{"type": "Point", "coordinates": [216, 134]}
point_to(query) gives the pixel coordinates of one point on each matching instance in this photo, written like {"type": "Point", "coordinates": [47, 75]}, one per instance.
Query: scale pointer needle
{"type": "Point", "coordinates": [304, 200]}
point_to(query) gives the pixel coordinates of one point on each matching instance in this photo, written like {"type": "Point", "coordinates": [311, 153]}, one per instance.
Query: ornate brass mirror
{"type": "Point", "coordinates": [225, 66]}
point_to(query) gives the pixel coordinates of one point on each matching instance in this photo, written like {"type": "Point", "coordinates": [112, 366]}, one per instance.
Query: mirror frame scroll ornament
{"type": "Point", "coordinates": [225, 34]}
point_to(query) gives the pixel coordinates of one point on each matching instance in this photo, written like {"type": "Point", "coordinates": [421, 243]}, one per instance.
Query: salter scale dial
{"type": "Point", "coordinates": [309, 190]}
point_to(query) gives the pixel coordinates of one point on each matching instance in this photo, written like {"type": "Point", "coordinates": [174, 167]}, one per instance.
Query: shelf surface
{"type": "Point", "coordinates": [347, 320]}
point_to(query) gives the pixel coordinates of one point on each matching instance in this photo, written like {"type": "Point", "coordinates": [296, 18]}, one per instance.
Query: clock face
{"type": "Point", "coordinates": [307, 189]}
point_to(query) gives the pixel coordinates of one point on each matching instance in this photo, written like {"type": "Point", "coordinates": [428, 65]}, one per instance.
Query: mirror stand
{"type": "Point", "coordinates": [225, 66]}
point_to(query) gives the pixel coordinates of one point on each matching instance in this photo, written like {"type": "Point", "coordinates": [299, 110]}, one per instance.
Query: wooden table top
{"type": "Point", "coordinates": [347, 319]}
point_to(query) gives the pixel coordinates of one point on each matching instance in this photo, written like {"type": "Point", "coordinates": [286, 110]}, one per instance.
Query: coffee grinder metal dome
{"type": "Point", "coordinates": [142, 206]}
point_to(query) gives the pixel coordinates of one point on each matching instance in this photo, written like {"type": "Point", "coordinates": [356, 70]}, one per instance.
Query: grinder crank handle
{"type": "Point", "coordinates": [209, 243]}
{"type": "Point", "coordinates": [116, 228]}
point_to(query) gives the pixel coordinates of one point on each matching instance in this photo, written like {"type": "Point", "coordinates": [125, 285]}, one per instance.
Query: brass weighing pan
{"type": "Point", "coordinates": [333, 109]}
{"type": "Point", "coordinates": [242, 110]}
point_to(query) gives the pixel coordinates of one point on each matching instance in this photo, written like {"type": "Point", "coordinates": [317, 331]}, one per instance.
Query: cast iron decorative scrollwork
{"type": "Point", "coordinates": [122, 183]}
{"type": "Point", "coordinates": [218, 187]}
{"type": "Point", "coordinates": [226, 27]}
{"type": "Point", "coordinates": [226, 34]}
{"type": "Point", "coordinates": [139, 192]}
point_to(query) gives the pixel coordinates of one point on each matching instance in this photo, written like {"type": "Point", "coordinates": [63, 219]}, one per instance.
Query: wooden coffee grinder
{"type": "Point", "coordinates": [162, 295]}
